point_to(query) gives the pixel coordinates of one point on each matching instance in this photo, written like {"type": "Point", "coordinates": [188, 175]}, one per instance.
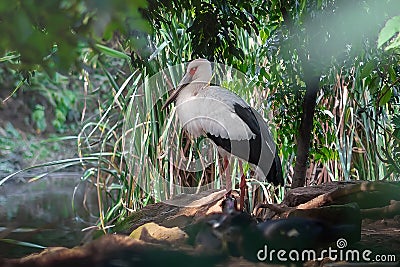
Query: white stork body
{"type": "Point", "coordinates": [226, 119]}
{"type": "Point", "coordinates": [212, 111]}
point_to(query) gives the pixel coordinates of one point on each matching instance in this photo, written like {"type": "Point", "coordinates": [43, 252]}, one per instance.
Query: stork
{"type": "Point", "coordinates": [221, 115]}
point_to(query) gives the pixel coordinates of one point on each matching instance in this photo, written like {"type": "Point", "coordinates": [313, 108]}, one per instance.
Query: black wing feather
{"type": "Point", "coordinates": [253, 156]}
{"type": "Point", "coordinates": [247, 115]}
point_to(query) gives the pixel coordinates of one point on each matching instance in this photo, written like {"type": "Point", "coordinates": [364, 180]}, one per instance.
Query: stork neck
{"type": "Point", "coordinates": [195, 86]}
{"type": "Point", "coordinates": [192, 89]}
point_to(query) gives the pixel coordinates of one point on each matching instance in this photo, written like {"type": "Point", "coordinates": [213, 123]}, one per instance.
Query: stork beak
{"type": "Point", "coordinates": [185, 81]}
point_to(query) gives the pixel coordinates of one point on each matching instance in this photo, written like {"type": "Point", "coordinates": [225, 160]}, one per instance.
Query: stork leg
{"type": "Point", "coordinates": [228, 179]}
{"type": "Point", "coordinates": [242, 187]}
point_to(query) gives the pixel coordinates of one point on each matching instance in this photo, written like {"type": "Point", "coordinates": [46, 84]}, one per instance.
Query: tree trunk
{"type": "Point", "coordinates": [306, 127]}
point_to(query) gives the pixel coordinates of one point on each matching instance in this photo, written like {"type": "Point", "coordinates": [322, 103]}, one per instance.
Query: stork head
{"type": "Point", "coordinates": [198, 71]}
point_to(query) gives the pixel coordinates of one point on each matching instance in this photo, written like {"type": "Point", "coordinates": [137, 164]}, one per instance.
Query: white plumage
{"type": "Point", "coordinates": [203, 114]}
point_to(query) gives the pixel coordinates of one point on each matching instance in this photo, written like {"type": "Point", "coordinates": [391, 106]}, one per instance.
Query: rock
{"type": "Point", "coordinates": [303, 233]}
{"type": "Point", "coordinates": [115, 250]}
{"type": "Point", "coordinates": [300, 195]}
{"type": "Point", "coordinates": [348, 214]}
{"type": "Point", "coordinates": [175, 213]}
{"type": "Point", "coordinates": [152, 232]}
{"type": "Point", "coordinates": [201, 199]}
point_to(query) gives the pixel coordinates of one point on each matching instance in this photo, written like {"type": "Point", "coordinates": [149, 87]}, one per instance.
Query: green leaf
{"type": "Point", "coordinates": [9, 57]}
{"type": "Point", "coordinates": [391, 27]}
{"type": "Point", "coordinates": [367, 69]}
{"type": "Point", "coordinates": [396, 121]}
{"type": "Point", "coordinates": [386, 97]}
{"type": "Point", "coordinates": [392, 73]}
{"type": "Point", "coordinates": [264, 35]}
{"type": "Point", "coordinates": [394, 44]}
{"type": "Point", "coordinates": [374, 84]}
{"type": "Point", "coordinates": [396, 133]}
{"type": "Point", "coordinates": [264, 73]}
{"type": "Point", "coordinates": [319, 4]}
{"type": "Point", "coordinates": [38, 116]}
{"type": "Point", "coordinates": [112, 52]}
{"type": "Point", "coordinates": [158, 50]}
{"type": "Point", "coordinates": [21, 243]}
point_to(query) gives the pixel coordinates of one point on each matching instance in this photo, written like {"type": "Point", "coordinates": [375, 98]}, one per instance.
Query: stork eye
{"type": "Point", "coordinates": [192, 70]}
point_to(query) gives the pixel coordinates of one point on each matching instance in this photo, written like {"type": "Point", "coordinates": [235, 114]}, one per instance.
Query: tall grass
{"type": "Point", "coordinates": [357, 132]}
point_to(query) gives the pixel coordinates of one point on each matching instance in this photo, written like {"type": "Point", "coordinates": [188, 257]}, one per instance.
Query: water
{"type": "Point", "coordinates": [42, 213]}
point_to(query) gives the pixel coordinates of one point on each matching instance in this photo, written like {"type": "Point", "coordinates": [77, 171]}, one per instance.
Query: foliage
{"type": "Point", "coordinates": [321, 39]}
{"type": "Point", "coordinates": [49, 33]}
{"type": "Point", "coordinates": [20, 150]}
{"type": "Point", "coordinates": [42, 39]}
{"type": "Point", "coordinates": [60, 98]}
{"type": "Point", "coordinates": [213, 25]}
{"type": "Point", "coordinates": [390, 31]}
{"type": "Point", "coordinates": [49, 104]}
{"type": "Point", "coordinates": [38, 116]}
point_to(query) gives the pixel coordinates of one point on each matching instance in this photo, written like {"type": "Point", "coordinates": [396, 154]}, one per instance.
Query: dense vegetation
{"type": "Point", "coordinates": [326, 74]}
